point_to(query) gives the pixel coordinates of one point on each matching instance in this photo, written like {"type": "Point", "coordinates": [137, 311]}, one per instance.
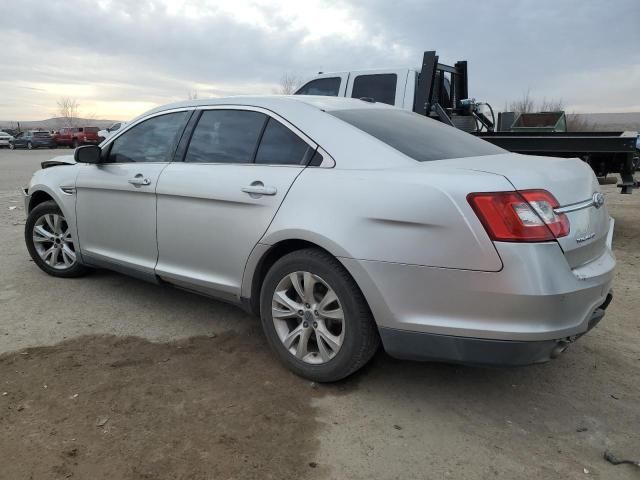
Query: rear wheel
{"type": "Point", "coordinates": [49, 242]}
{"type": "Point", "coordinates": [315, 317]}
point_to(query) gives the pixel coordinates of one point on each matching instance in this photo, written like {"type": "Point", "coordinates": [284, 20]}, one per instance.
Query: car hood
{"type": "Point", "coordinates": [56, 161]}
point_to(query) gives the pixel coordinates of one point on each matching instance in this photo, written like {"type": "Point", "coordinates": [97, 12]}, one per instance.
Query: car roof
{"type": "Point", "coordinates": [269, 102]}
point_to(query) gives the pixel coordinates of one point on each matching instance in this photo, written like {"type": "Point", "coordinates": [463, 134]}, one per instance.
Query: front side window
{"type": "Point", "coordinates": [380, 87]}
{"type": "Point", "coordinates": [418, 137]}
{"type": "Point", "coordinates": [280, 146]}
{"type": "Point", "coordinates": [226, 136]}
{"type": "Point", "coordinates": [328, 87]}
{"type": "Point", "coordinates": [150, 141]}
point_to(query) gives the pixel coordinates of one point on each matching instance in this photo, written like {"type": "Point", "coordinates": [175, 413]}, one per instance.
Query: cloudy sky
{"type": "Point", "coordinates": [120, 57]}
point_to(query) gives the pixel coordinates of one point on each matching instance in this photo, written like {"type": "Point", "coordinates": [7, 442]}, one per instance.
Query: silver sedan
{"type": "Point", "coordinates": [343, 224]}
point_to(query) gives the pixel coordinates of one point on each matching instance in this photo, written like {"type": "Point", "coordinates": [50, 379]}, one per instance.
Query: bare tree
{"type": "Point", "coordinates": [68, 111]}
{"type": "Point", "coordinates": [551, 106]}
{"type": "Point", "coordinates": [289, 83]}
{"type": "Point", "coordinates": [192, 95]}
{"type": "Point", "coordinates": [579, 123]}
{"type": "Point", "coordinates": [525, 104]}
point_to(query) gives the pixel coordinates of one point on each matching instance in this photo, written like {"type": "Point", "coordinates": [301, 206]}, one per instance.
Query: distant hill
{"type": "Point", "coordinates": [613, 121]}
{"type": "Point", "coordinates": [601, 121]}
{"type": "Point", "coordinates": [55, 123]}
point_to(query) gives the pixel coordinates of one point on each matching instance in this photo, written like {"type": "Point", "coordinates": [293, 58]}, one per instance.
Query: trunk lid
{"type": "Point", "coordinates": [571, 181]}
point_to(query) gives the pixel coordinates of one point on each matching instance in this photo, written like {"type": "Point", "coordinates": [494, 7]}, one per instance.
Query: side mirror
{"type": "Point", "coordinates": [88, 154]}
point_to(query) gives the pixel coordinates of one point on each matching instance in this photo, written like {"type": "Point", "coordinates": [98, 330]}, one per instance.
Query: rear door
{"type": "Point", "coordinates": [116, 200]}
{"type": "Point", "coordinates": [214, 206]}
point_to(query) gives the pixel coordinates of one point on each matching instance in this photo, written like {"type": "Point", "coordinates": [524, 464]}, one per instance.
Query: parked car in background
{"type": "Point", "coordinates": [5, 139]}
{"type": "Point", "coordinates": [107, 132]}
{"type": "Point", "coordinates": [33, 139]}
{"type": "Point", "coordinates": [451, 248]}
{"type": "Point", "coordinates": [73, 137]}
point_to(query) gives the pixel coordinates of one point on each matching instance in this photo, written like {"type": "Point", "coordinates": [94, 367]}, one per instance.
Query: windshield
{"type": "Point", "coordinates": [418, 137]}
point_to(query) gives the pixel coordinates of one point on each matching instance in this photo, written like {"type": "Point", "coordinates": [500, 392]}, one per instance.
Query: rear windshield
{"type": "Point", "coordinates": [418, 137]}
{"type": "Point", "coordinates": [41, 134]}
{"type": "Point", "coordinates": [90, 129]}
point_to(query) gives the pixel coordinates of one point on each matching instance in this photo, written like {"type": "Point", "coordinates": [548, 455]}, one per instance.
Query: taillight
{"type": "Point", "coordinates": [525, 216]}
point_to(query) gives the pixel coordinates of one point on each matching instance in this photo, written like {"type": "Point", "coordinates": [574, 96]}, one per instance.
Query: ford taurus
{"type": "Point", "coordinates": [343, 224]}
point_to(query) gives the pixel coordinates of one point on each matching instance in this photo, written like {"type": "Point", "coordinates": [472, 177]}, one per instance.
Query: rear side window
{"type": "Point", "coordinates": [280, 146]}
{"type": "Point", "coordinates": [418, 137]}
{"type": "Point", "coordinates": [380, 87]}
{"type": "Point", "coordinates": [150, 141]}
{"type": "Point", "coordinates": [328, 87]}
{"type": "Point", "coordinates": [91, 130]}
{"type": "Point", "coordinates": [226, 136]}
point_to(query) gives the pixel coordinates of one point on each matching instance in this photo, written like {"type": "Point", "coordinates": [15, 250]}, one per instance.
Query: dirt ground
{"type": "Point", "coordinates": [109, 377]}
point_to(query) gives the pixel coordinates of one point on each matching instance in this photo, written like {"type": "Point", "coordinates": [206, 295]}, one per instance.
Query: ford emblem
{"type": "Point", "coordinates": [598, 199]}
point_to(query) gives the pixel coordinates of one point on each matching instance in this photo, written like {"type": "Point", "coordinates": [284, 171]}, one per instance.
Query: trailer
{"type": "Point", "coordinates": [442, 93]}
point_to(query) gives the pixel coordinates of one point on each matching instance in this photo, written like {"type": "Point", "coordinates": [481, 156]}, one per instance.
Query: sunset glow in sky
{"type": "Point", "coordinates": [118, 58]}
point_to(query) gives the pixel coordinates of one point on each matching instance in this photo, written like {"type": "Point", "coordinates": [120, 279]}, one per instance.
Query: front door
{"type": "Point", "coordinates": [216, 205]}
{"type": "Point", "coordinates": [116, 200]}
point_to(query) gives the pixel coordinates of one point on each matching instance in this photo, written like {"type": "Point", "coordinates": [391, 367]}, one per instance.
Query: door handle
{"type": "Point", "coordinates": [257, 189]}
{"type": "Point", "coordinates": [139, 180]}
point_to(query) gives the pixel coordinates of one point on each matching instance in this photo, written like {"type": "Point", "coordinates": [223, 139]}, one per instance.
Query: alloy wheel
{"type": "Point", "coordinates": [308, 317]}
{"type": "Point", "coordinates": [52, 241]}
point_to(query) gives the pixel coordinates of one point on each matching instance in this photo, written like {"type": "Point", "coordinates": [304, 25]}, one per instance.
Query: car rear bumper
{"type": "Point", "coordinates": [419, 346]}
{"type": "Point", "coordinates": [536, 300]}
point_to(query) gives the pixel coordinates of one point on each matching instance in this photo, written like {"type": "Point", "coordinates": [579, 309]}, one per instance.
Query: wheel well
{"type": "Point", "coordinates": [276, 252]}
{"type": "Point", "coordinates": [37, 198]}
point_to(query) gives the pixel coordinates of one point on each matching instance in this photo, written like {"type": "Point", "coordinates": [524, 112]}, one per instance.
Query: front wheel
{"type": "Point", "coordinates": [49, 242]}
{"type": "Point", "coordinates": [315, 317]}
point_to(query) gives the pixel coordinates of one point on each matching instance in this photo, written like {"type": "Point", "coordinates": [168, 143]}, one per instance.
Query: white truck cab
{"type": "Point", "coordinates": [392, 86]}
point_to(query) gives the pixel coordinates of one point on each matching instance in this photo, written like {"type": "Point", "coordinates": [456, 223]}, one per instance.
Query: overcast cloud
{"type": "Point", "coordinates": [119, 57]}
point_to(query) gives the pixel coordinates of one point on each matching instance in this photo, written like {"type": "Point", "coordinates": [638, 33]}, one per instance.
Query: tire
{"type": "Point", "coordinates": [358, 333]}
{"type": "Point", "coordinates": [37, 218]}
{"type": "Point", "coordinates": [29, 146]}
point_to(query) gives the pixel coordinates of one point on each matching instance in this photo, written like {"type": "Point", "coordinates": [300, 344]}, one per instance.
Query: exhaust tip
{"type": "Point", "coordinates": [559, 349]}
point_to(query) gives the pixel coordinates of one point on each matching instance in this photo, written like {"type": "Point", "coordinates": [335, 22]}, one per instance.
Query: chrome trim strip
{"type": "Point", "coordinates": [612, 223]}
{"type": "Point", "coordinates": [327, 160]}
{"type": "Point", "coordinates": [574, 207]}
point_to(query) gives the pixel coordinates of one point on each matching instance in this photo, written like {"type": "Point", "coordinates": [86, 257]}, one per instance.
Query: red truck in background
{"type": "Point", "coordinates": [76, 136]}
